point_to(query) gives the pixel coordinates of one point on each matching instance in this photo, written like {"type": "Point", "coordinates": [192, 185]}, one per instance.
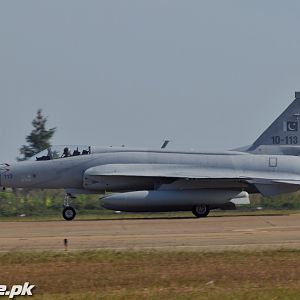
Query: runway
{"type": "Point", "coordinates": [209, 234]}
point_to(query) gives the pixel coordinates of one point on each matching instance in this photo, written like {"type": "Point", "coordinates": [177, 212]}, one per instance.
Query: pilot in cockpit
{"type": "Point", "coordinates": [66, 152]}
{"type": "Point", "coordinates": [76, 152]}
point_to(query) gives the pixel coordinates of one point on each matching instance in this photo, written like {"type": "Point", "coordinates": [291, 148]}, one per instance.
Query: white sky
{"type": "Point", "coordinates": [206, 74]}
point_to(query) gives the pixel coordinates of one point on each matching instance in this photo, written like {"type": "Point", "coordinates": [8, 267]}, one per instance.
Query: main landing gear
{"type": "Point", "coordinates": [68, 212]}
{"type": "Point", "coordinates": [201, 211]}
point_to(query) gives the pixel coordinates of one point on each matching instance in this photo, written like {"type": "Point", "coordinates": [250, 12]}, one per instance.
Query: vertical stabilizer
{"type": "Point", "coordinates": [285, 130]}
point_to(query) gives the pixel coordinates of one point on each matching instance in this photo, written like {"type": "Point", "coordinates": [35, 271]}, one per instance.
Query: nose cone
{"type": "Point", "coordinates": [3, 169]}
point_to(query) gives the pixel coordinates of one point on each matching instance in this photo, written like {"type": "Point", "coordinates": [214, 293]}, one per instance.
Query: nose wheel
{"type": "Point", "coordinates": [69, 213]}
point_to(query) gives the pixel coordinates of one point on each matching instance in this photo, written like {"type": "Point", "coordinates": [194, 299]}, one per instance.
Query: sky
{"type": "Point", "coordinates": [208, 75]}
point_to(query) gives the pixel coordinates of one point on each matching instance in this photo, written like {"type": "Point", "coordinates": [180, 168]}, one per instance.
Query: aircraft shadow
{"type": "Point", "coordinates": [179, 217]}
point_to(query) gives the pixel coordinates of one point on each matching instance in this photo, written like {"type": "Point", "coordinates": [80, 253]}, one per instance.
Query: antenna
{"type": "Point", "coordinates": [165, 144]}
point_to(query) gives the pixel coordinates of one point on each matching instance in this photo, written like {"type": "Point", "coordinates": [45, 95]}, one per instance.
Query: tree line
{"type": "Point", "coordinates": [39, 139]}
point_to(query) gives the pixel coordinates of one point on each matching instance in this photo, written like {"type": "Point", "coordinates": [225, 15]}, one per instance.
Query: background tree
{"type": "Point", "coordinates": [38, 139]}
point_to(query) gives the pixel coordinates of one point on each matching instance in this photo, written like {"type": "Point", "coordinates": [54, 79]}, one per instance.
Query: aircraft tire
{"type": "Point", "coordinates": [69, 213]}
{"type": "Point", "coordinates": [201, 211]}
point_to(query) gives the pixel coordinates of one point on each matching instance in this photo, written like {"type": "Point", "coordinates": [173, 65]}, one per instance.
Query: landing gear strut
{"type": "Point", "coordinates": [68, 212]}
{"type": "Point", "coordinates": [201, 211]}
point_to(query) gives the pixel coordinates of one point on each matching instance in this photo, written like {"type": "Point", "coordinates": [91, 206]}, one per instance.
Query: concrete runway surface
{"type": "Point", "coordinates": [209, 234]}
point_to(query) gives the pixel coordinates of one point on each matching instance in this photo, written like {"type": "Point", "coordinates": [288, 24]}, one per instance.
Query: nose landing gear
{"type": "Point", "coordinates": [68, 212]}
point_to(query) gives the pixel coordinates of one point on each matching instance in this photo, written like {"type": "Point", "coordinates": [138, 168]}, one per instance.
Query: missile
{"type": "Point", "coordinates": [168, 200]}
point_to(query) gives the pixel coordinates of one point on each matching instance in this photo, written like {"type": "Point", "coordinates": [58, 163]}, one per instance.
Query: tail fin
{"type": "Point", "coordinates": [283, 133]}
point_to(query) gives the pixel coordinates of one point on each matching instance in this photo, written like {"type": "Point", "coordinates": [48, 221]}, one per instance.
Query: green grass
{"type": "Point", "coordinates": [104, 215]}
{"type": "Point", "coordinates": [103, 274]}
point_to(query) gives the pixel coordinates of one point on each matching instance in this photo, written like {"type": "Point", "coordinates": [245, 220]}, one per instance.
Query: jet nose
{"type": "Point", "coordinates": [3, 169]}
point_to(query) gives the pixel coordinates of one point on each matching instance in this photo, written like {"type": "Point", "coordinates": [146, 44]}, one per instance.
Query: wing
{"type": "Point", "coordinates": [162, 170]}
{"type": "Point", "coordinates": [200, 177]}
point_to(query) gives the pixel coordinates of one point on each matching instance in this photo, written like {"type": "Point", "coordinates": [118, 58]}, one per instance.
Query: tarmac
{"type": "Point", "coordinates": [208, 234]}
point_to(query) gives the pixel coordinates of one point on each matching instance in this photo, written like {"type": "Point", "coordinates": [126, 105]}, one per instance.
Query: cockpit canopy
{"type": "Point", "coordinates": [62, 151]}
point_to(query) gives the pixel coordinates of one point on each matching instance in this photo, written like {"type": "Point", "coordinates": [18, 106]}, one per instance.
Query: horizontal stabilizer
{"type": "Point", "coordinates": [273, 189]}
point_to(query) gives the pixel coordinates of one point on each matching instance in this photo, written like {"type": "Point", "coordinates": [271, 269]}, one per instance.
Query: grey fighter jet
{"type": "Point", "coordinates": [167, 180]}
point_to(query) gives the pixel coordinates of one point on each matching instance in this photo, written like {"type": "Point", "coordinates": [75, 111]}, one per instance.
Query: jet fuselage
{"type": "Point", "coordinates": [125, 170]}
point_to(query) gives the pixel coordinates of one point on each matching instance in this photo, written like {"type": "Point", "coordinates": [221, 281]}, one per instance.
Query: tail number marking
{"type": "Point", "coordinates": [288, 140]}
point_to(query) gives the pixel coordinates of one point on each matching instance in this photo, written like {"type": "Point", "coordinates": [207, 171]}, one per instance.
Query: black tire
{"type": "Point", "coordinates": [69, 213]}
{"type": "Point", "coordinates": [201, 211]}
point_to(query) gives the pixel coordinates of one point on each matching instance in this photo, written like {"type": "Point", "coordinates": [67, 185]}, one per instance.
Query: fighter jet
{"type": "Point", "coordinates": [140, 180]}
